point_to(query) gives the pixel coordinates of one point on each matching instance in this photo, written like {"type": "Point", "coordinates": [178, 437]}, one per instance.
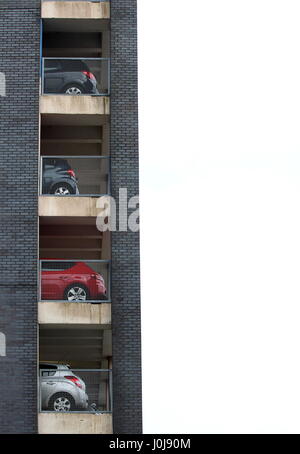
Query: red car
{"type": "Point", "coordinates": [72, 281]}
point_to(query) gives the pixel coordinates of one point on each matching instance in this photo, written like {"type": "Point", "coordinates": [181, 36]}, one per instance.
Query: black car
{"type": "Point", "coordinates": [71, 77]}
{"type": "Point", "coordinates": [58, 177]}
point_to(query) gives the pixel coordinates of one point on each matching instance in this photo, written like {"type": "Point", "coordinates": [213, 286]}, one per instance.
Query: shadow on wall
{"type": "Point", "coordinates": [2, 85]}
{"type": "Point", "coordinates": [2, 344]}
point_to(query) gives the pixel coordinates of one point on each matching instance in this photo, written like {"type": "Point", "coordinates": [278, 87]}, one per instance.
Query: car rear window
{"type": "Point", "coordinates": [74, 65]}
{"type": "Point", "coordinates": [62, 164]}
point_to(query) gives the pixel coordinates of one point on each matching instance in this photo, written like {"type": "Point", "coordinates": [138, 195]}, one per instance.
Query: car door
{"type": "Point", "coordinates": [52, 284]}
{"type": "Point", "coordinates": [48, 174]}
{"type": "Point", "coordinates": [53, 76]}
{"type": "Point", "coordinates": [48, 383]}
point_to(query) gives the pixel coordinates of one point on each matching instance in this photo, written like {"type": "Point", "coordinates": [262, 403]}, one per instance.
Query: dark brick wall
{"type": "Point", "coordinates": [19, 61]}
{"type": "Point", "coordinates": [127, 402]}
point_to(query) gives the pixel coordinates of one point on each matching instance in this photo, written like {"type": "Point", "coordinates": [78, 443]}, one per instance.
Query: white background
{"type": "Point", "coordinates": [220, 192]}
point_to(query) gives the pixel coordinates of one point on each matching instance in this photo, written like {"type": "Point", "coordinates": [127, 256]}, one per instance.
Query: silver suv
{"type": "Point", "coordinates": [61, 390]}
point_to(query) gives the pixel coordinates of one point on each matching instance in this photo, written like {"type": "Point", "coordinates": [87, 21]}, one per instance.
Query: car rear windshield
{"type": "Point", "coordinates": [74, 65]}
{"type": "Point", "coordinates": [58, 163]}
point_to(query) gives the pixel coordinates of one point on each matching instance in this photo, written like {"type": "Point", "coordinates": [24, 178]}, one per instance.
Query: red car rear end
{"type": "Point", "coordinates": [72, 281]}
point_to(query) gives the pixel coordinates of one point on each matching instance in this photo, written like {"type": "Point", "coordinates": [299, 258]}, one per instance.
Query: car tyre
{"type": "Point", "coordinates": [77, 290]}
{"type": "Point", "coordinates": [62, 189]}
{"type": "Point", "coordinates": [73, 90]}
{"type": "Point", "coordinates": [61, 402]}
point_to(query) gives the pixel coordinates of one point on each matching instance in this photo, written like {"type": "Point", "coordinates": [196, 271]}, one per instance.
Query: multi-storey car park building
{"type": "Point", "coordinates": [70, 357]}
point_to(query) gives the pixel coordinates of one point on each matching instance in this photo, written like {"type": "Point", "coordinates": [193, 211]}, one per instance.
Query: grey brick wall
{"type": "Point", "coordinates": [19, 61]}
{"type": "Point", "coordinates": [127, 402]}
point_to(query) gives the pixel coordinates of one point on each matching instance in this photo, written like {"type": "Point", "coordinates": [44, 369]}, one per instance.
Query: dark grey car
{"type": "Point", "coordinates": [58, 177]}
{"type": "Point", "coordinates": [71, 77]}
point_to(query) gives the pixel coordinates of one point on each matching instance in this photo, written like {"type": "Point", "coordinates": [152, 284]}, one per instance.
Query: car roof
{"type": "Point", "coordinates": [59, 366]}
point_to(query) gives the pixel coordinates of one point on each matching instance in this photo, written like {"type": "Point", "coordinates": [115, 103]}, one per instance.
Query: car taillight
{"type": "Point", "coordinates": [75, 380]}
{"type": "Point", "coordinates": [97, 277]}
{"type": "Point", "coordinates": [72, 173]}
{"type": "Point", "coordinates": [89, 75]}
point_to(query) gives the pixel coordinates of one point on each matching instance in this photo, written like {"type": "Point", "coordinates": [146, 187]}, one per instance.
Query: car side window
{"type": "Point", "coordinates": [47, 373]}
{"type": "Point", "coordinates": [67, 265]}
{"type": "Point", "coordinates": [57, 266]}
{"type": "Point", "coordinates": [46, 370]}
{"type": "Point", "coordinates": [49, 163]}
{"type": "Point", "coordinates": [52, 266]}
{"type": "Point", "coordinates": [52, 66]}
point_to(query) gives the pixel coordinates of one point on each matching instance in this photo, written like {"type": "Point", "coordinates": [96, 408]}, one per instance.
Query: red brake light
{"type": "Point", "coordinates": [72, 173]}
{"type": "Point", "coordinates": [97, 277]}
{"type": "Point", "coordinates": [89, 75]}
{"type": "Point", "coordinates": [75, 380]}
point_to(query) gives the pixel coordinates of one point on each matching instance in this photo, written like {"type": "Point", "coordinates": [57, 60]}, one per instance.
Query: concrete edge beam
{"type": "Point", "coordinates": [75, 10]}
{"type": "Point", "coordinates": [68, 206]}
{"type": "Point", "coordinates": [74, 105]}
{"type": "Point", "coordinates": [75, 423]}
{"type": "Point", "coordinates": [74, 313]}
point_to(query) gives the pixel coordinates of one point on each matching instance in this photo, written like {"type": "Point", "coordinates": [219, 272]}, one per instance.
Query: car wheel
{"type": "Point", "coordinates": [77, 293]}
{"type": "Point", "coordinates": [62, 189]}
{"type": "Point", "coordinates": [73, 90]}
{"type": "Point", "coordinates": [62, 402]}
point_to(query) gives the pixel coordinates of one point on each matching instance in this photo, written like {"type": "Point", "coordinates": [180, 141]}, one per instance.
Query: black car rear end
{"type": "Point", "coordinates": [58, 177]}
{"type": "Point", "coordinates": [68, 76]}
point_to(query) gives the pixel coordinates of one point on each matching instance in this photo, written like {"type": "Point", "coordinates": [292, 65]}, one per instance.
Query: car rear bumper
{"type": "Point", "coordinates": [91, 88]}
{"type": "Point", "coordinates": [83, 401]}
{"type": "Point", "coordinates": [74, 186]}
{"type": "Point", "coordinates": [101, 291]}
{"type": "Point", "coordinates": [97, 289]}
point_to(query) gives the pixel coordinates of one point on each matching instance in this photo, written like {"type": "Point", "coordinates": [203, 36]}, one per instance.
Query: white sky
{"type": "Point", "coordinates": [220, 192]}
